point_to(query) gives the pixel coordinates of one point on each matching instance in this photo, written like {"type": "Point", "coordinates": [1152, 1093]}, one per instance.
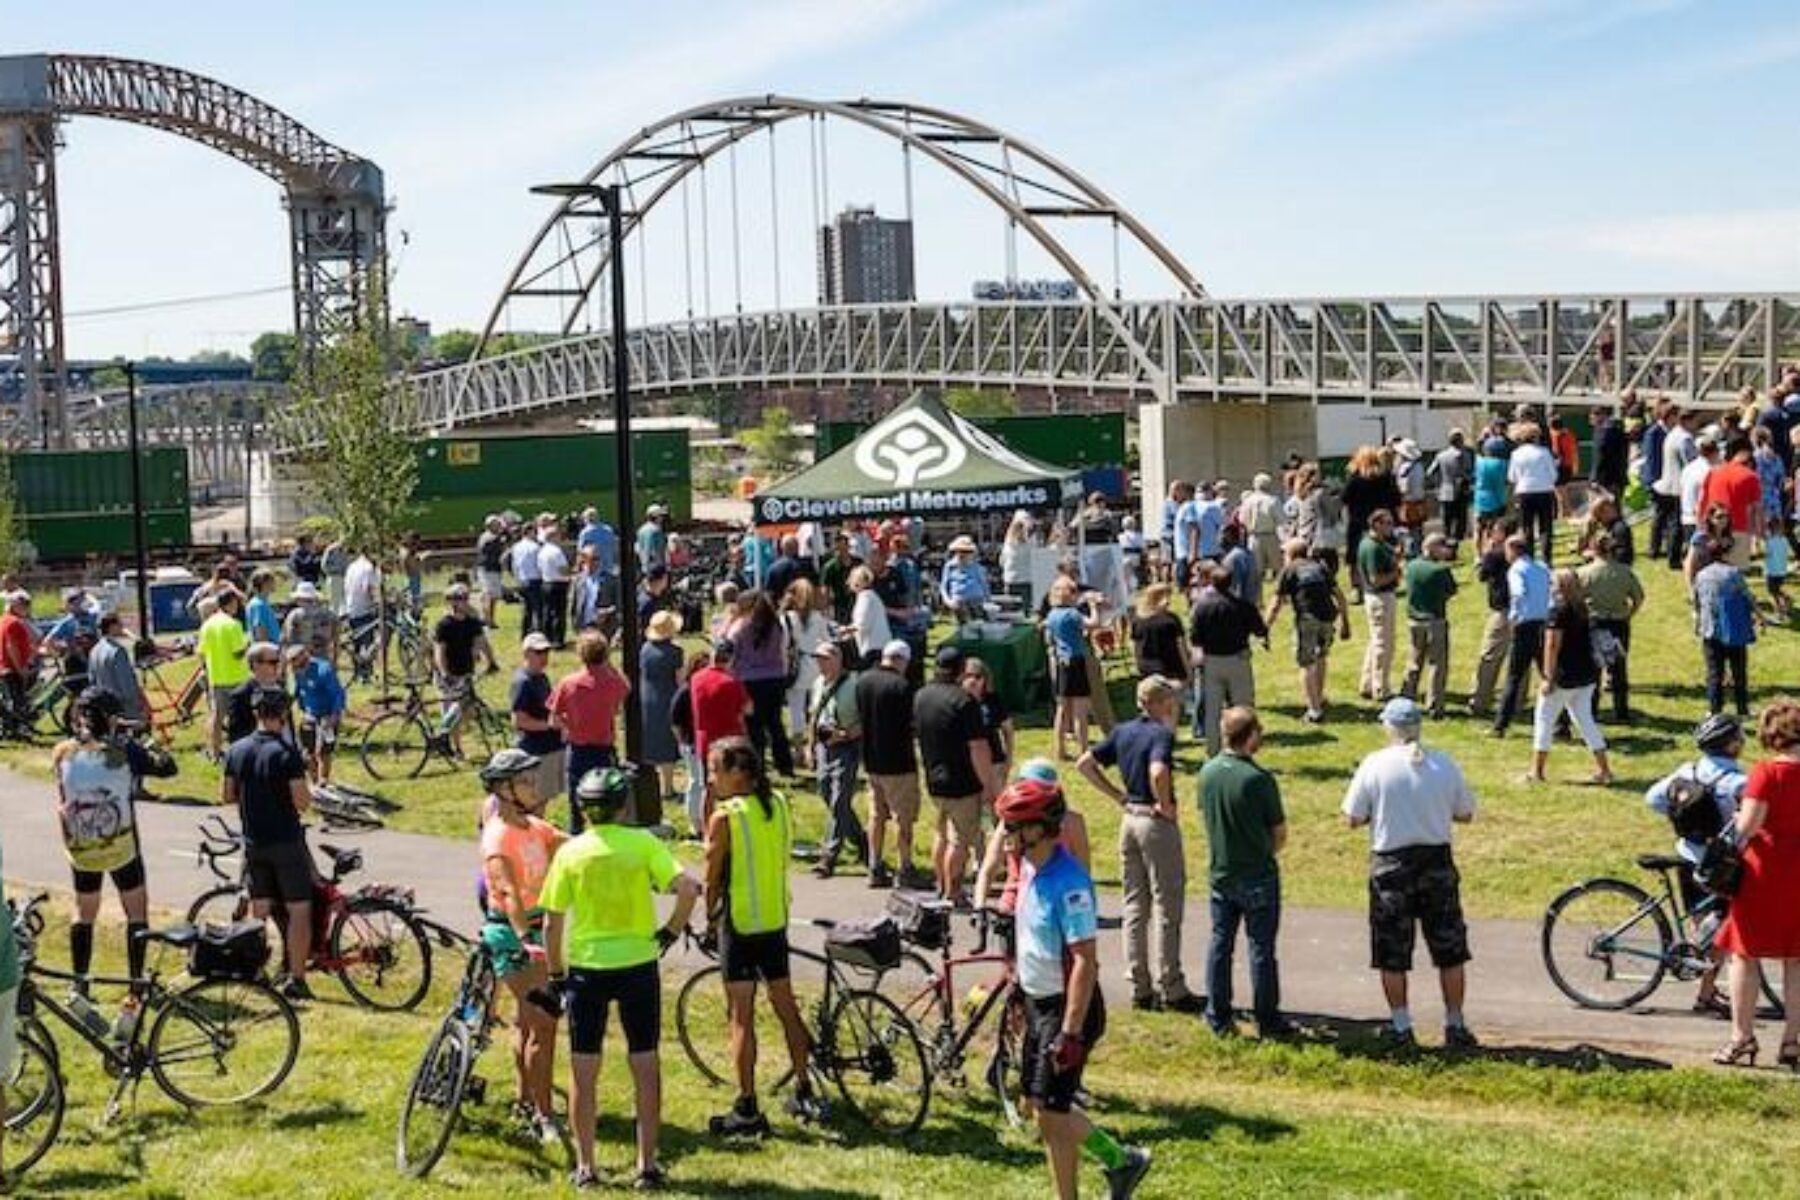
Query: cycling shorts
{"type": "Point", "coordinates": [638, 993]}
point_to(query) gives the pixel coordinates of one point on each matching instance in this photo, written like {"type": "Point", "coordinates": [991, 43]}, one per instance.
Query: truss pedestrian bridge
{"type": "Point", "coordinates": [1435, 351]}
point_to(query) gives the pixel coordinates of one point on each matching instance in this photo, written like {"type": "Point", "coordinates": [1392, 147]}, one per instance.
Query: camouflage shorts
{"type": "Point", "coordinates": [1417, 886]}
{"type": "Point", "coordinates": [1312, 639]}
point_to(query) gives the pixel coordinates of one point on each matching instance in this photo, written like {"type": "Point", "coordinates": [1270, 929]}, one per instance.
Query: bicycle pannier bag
{"type": "Point", "coordinates": [924, 920]}
{"type": "Point", "coordinates": [234, 951]}
{"type": "Point", "coordinates": [871, 945]}
{"type": "Point", "coordinates": [1694, 809]}
{"type": "Point", "coordinates": [1721, 868]}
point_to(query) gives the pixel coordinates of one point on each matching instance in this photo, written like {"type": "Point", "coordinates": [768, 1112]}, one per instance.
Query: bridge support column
{"type": "Point", "coordinates": [1216, 441]}
{"type": "Point", "coordinates": [31, 320]}
{"type": "Point", "coordinates": [337, 244]}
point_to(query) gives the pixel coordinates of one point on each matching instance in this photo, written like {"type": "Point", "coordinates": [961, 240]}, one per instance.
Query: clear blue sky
{"type": "Point", "coordinates": [1287, 148]}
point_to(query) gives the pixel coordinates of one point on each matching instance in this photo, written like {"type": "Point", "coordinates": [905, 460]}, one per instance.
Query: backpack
{"type": "Point", "coordinates": [1694, 808]}
{"type": "Point", "coordinates": [1734, 615]}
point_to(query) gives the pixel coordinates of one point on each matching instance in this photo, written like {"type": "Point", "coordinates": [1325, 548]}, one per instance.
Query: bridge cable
{"type": "Point", "coordinates": [687, 246]}
{"type": "Point", "coordinates": [774, 220]}
{"type": "Point", "coordinates": [737, 273]}
{"type": "Point", "coordinates": [706, 307]}
{"type": "Point", "coordinates": [812, 146]}
{"type": "Point", "coordinates": [906, 175]}
{"type": "Point", "coordinates": [1118, 291]}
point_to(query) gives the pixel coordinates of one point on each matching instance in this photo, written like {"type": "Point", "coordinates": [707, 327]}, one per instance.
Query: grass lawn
{"type": "Point", "coordinates": [1529, 840]}
{"type": "Point", "coordinates": [1332, 1117]}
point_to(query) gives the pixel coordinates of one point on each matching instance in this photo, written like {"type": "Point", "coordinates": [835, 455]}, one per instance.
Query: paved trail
{"type": "Point", "coordinates": [1323, 951]}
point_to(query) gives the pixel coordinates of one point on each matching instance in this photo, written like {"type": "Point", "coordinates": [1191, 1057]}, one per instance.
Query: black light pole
{"type": "Point", "coordinates": [648, 799]}
{"type": "Point", "coordinates": [139, 539]}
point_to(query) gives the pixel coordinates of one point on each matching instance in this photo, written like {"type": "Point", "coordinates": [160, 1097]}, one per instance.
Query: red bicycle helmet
{"type": "Point", "coordinates": [1030, 800]}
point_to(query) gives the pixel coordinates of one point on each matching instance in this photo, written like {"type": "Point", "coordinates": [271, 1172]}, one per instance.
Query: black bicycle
{"type": "Point", "coordinates": [461, 728]}
{"type": "Point", "coordinates": [445, 1079]}
{"type": "Point", "coordinates": [863, 1045]}
{"type": "Point", "coordinates": [212, 1042]}
{"type": "Point", "coordinates": [1609, 944]}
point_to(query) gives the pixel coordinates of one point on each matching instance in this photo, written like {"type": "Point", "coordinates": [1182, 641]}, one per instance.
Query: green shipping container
{"type": "Point", "coordinates": [78, 502]}
{"type": "Point", "coordinates": [1089, 440]}
{"type": "Point", "coordinates": [461, 480]}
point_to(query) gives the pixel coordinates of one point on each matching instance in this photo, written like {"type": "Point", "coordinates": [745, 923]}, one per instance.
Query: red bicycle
{"type": "Point", "coordinates": [949, 1020]}
{"type": "Point", "coordinates": [370, 938]}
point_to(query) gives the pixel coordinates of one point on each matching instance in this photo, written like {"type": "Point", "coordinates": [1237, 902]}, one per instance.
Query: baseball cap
{"type": "Point", "coordinates": [950, 657]}
{"type": "Point", "coordinates": [898, 650]}
{"type": "Point", "coordinates": [535, 641]}
{"type": "Point", "coordinates": [305, 591]}
{"type": "Point", "coordinates": [1402, 711]}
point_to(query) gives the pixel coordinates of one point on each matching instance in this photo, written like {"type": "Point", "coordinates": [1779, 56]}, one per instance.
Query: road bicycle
{"type": "Point", "coordinates": [953, 1020]}
{"type": "Point", "coordinates": [445, 1079]}
{"type": "Point", "coordinates": [1609, 944]}
{"type": "Point", "coordinates": [863, 1045]}
{"type": "Point", "coordinates": [372, 938]}
{"type": "Point", "coordinates": [212, 1042]}
{"type": "Point", "coordinates": [173, 697]}
{"type": "Point", "coordinates": [369, 637]}
{"type": "Point", "coordinates": [402, 742]}
{"type": "Point", "coordinates": [349, 808]}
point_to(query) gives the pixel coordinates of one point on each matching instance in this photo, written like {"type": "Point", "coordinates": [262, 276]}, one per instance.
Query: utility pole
{"type": "Point", "coordinates": [139, 536]}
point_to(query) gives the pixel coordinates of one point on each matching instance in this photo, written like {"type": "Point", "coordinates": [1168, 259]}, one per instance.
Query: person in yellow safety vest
{"type": "Point", "coordinates": [748, 843]}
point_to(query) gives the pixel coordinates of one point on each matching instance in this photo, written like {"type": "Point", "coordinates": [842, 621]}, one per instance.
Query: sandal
{"type": "Point", "coordinates": [1737, 1053]}
{"type": "Point", "coordinates": [1789, 1056]}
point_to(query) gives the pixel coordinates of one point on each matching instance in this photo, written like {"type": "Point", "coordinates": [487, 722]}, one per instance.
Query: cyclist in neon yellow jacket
{"type": "Point", "coordinates": [748, 843]}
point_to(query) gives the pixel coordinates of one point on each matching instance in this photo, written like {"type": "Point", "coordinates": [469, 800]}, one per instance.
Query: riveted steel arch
{"type": "Point", "coordinates": [336, 207]}
{"type": "Point", "coordinates": [658, 158]}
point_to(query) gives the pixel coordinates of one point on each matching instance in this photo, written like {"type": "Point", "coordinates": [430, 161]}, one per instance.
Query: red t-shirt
{"type": "Point", "coordinates": [16, 642]}
{"type": "Point", "coordinates": [1736, 487]}
{"type": "Point", "coordinates": [1568, 454]}
{"type": "Point", "coordinates": [588, 702]}
{"type": "Point", "coordinates": [719, 700]}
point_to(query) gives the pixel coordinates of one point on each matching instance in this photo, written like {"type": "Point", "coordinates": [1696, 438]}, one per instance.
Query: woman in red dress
{"type": "Point", "coordinates": [1765, 914]}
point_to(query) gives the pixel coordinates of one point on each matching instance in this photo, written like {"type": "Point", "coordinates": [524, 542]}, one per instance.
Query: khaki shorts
{"type": "Point", "coordinates": [896, 796]}
{"type": "Point", "coordinates": [962, 816]}
{"type": "Point", "coordinates": [219, 701]}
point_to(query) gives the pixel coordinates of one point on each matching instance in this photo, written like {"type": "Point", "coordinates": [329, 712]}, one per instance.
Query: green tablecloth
{"type": "Point", "coordinates": [1017, 661]}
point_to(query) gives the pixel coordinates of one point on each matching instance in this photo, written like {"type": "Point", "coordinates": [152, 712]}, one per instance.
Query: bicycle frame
{"type": "Point", "coordinates": [126, 1059]}
{"type": "Point", "coordinates": [941, 990]}
{"type": "Point", "coordinates": [1674, 903]}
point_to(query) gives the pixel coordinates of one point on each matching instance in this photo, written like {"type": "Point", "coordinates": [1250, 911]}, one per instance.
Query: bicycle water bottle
{"type": "Point", "coordinates": [977, 997]}
{"type": "Point", "coordinates": [90, 1017]}
{"type": "Point", "coordinates": [451, 715]}
{"type": "Point", "coordinates": [125, 1024]}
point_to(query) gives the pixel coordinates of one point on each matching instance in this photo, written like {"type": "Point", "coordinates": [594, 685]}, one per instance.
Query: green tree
{"type": "Point", "coordinates": [363, 470]}
{"type": "Point", "coordinates": [13, 546]}
{"type": "Point", "coordinates": [979, 403]}
{"type": "Point", "coordinates": [773, 445]}
{"type": "Point", "coordinates": [454, 345]}
{"type": "Point", "coordinates": [221, 358]}
{"type": "Point", "coordinates": [272, 357]}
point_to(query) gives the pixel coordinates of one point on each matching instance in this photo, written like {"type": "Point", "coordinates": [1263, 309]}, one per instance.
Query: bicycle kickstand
{"type": "Point", "coordinates": [128, 1082]}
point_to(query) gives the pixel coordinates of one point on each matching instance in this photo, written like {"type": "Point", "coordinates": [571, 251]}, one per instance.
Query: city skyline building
{"type": "Point", "coordinates": [865, 258]}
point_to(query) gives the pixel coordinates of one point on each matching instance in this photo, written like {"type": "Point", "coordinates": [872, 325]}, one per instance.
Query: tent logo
{"type": "Point", "coordinates": [910, 447]}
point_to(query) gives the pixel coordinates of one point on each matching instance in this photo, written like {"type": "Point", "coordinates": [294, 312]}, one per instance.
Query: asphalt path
{"type": "Point", "coordinates": [1326, 983]}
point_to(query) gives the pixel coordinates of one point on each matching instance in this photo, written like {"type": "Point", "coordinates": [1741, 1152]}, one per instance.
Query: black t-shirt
{"type": "Point", "coordinates": [1158, 645]}
{"type": "Point", "coordinates": [264, 765]}
{"type": "Point", "coordinates": [1575, 655]}
{"type": "Point", "coordinates": [458, 635]}
{"type": "Point", "coordinates": [490, 551]}
{"type": "Point", "coordinates": [1492, 572]}
{"type": "Point", "coordinates": [306, 566]}
{"type": "Point", "coordinates": [783, 574]}
{"type": "Point", "coordinates": [995, 714]}
{"type": "Point", "coordinates": [240, 711]}
{"type": "Point", "coordinates": [948, 719]}
{"type": "Point", "coordinates": [891, 587]}
{"type": "Point", "coordinates": [530, 695]}
{"type": "Point", "coordinates": [1307, 586]}
{"type": "Point", "coordinates": [884, 701]}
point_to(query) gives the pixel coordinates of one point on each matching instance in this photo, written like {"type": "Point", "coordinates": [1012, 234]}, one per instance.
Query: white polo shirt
{"type": "Point", "coordinates": [1408, 803]}
{"type": "Point", "coordinates": [553, 564]}
{"type": "Point", "coordinates": [1531, 470]}
{"type": "Point", "coordinates": [525, 561]}
{"type": "Point", "coordinates": [1693, 482]}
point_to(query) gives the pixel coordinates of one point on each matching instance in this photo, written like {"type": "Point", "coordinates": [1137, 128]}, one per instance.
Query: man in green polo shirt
{"type": "Point", "coordinates": [1614, 595]}
{"type": "Point", "coordinates": [601, 929]}
{"type": "Point", "coordinates": [1378, 565]}
{"type": "Point", "coordinates": [1430, 583]}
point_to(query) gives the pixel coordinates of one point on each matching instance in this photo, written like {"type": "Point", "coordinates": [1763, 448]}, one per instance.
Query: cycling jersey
{"type": "Point", "coordinates": [1057, 911]}
{"type": "Point", "coordinates": [602, 881]}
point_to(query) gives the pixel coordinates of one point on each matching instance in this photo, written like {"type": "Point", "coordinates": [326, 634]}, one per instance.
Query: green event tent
{"type": "Point", "coordinates": [920, 460]}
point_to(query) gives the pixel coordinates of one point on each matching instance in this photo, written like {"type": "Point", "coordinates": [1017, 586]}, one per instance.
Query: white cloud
{"type": "Point", "coordinates": [1742, 244]}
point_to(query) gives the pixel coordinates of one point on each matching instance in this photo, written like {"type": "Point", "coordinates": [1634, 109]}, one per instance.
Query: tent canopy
{"type": "Point", "coordinates": [920, 460]}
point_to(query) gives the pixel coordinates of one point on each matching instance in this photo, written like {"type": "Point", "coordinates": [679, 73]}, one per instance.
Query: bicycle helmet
{"type": "Point", "coordinates": [1029, 801]}
{"type": "Point", "coordinates": [1716, 734]}
{"type": "Point", "coordinates": [603, 792]}
{"type": "Point", "coordinates": [97, 709]}
{"type": "Point", "coordinates": [1040, 769]}
{"type": "Point", "coordinates": [509, 763]}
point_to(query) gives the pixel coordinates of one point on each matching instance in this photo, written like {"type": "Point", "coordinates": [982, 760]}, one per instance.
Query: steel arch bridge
{"type": "Point", "coordinates": [335, 200]}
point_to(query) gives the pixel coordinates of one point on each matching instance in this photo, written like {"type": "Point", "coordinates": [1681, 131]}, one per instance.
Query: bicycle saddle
{"type": "Point", "coordinates": [343, 862]}
{"type": "Point", "coordinates": [1660, 862]}
{"type": "Point", "coordinates": [174, 935]}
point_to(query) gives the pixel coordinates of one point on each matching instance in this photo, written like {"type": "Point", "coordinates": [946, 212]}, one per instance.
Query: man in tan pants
{"type": "Point", "coordinates": [1220, 632]}
{"type": "Point", "coordinates": [1150, 856]}
{"type": "Point", "coordinates": [1379, 567]}
{"type": "Point", "coordinates": [1496, 635]}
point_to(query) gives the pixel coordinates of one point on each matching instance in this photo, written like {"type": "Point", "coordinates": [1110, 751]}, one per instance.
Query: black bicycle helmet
{"type": "Point", "coordinates": [603, 792]}
{"type": "Point", "coordinates": [1716, 734]}
{"type": "Point", "coordinates": [509, 763]}
{"type": "Point", "coordinates": [97, 709]}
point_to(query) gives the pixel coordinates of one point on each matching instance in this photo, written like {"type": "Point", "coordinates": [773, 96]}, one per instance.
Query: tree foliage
{"type": "Point", "coordinates": [454, 346]}
{"type": "Point", "coordinates": [773, 445]}
{"type": "Point", "coordinates": [364, 471]}
{"type": "Point", "coordinates": [273, 357]}
{"type": "Point", "coordinates": [978, 403]}
{"type": "Point", "coordinates": [14, 550]}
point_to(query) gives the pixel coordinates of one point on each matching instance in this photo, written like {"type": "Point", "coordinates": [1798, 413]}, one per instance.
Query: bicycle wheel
{"type": "Point", "coordinates": [383, 957]}
{"type": "Point", "coordinates": [1606, 943]}
{"type": "Point", "coordinates": [703, 1023]}
{"type": "Point", "coordinates": [873, 1053]}
{"type": "Point", "coordinates": [434, 1101]}
{"type": "Point", "coordinates": [220, 906]}
{"type": "Point", "coordinates": [490, 731]}
{"type": "Point", "coordinates": [223, 1041]}
{"type": "Point", "coordinates": [396, 746]}
{"type": "Point", "coordinates": [34, 1104]}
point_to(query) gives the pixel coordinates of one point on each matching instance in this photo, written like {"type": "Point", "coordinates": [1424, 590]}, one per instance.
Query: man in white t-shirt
{"type": "Point", "coordinates": [1680, 448]}
{"type": "Point", "coordinates": [1531, 472]}
{"type": "Point", "coordinates": [362, 588]}
{"type": "Point", "coordinates": [523, 557]}
{"type": "Point", "coordinates": [1409, 797]}
{"type": "Point", "coordinates": [1693, 483]}
{"type": "Point", "coordinates": [553, 573]}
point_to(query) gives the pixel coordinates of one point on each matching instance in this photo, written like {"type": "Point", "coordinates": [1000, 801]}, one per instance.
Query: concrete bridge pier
{"type": "Point", "coordinates": [1216, 440]}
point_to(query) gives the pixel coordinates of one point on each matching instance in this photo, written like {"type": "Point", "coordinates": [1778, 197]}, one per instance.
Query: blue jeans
{"type": "Point", "coordinates": [1257, 904]}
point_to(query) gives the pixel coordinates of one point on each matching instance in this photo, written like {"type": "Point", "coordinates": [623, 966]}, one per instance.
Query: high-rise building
{"type": "Point", "coordinates": [864, 259]}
